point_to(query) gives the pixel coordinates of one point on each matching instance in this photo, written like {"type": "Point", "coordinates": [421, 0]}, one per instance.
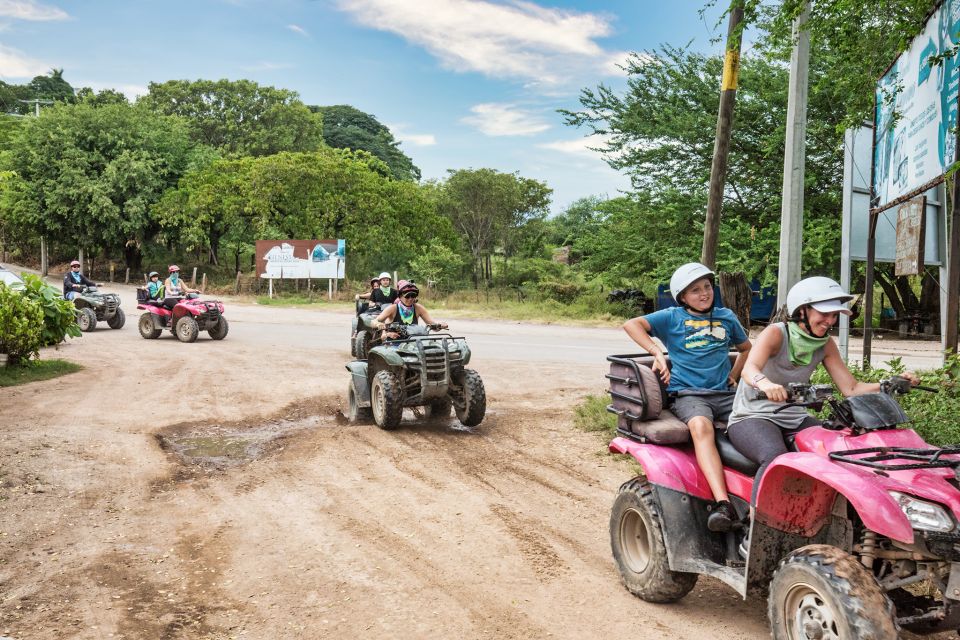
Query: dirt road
{"type": "Point", "coordinates": [278, 520]}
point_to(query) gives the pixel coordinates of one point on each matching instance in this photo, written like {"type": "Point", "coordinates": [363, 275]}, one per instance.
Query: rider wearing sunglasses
{"type": "Point", "coordinates": [406, 310]}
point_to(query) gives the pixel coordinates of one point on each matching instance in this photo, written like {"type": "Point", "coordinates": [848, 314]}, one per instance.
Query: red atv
{"type": "Point", "coordinates": [855, 532]}
{"type": "Point", "coordinates": [188, 318]}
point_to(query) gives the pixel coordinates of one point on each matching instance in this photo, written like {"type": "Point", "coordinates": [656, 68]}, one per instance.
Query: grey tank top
{"type": "Point", "coordinates": [778, 369]}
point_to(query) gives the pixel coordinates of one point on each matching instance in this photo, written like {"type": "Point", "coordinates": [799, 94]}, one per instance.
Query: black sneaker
{"type": "Point", "coordinates": [722, 518]}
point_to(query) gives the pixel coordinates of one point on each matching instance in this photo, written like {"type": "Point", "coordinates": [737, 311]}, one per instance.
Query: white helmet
{"type": "Point", "coordinates": [385, 275]}
{"type": "Point", "coordinates": [823, 294]}
{"type": "Point", "coordinates": [686, 276]}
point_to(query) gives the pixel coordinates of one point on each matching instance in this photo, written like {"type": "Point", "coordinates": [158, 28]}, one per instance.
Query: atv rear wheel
{"type": "Point", "coordinates": [636, 537]}
{"type": "Point", "coordinates": [474, 399]}
{"type": "Point", "coordinates": [118, 320]}
{"type": "Point", "coordinates": [187, 329]}
{"type": "Point", "coordinates": [440, 407]}
{"type": "Point", "coordinates": [148, 327]}
{"type": "Point", "coordinates": [87, 319]}
{"type": "Point", "coordinates": [219, 331]}
{"type": "Point", "coordinates": [356, 413]}
{"type": "Point", "coordinates": [820, 591]}
{"type": "Point", "coordinates": [386, 399]}
{"type": "Point", "coordinates": [361, 344]}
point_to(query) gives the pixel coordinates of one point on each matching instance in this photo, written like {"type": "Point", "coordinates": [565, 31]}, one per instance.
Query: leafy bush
{"type": "Point", "coordinates": [565, 292]}
{"type": "Point", "coordinates": [519, 271]}
{"type": "Point", "coordinates": [59, 317]}
{"type": "Point", "coordinates": [437, 264]}
{"type": "Point", "coordinates": [21, 325]}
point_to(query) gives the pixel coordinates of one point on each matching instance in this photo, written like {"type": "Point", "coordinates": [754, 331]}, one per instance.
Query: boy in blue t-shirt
{"type": "Point", "coordinates": [698, 337]}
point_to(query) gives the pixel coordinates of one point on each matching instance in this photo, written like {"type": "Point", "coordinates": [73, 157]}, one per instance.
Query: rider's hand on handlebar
{"type": "Point", "coordinates": [912, 377]}
{"type": "Point", "coordinates": [773, 391]}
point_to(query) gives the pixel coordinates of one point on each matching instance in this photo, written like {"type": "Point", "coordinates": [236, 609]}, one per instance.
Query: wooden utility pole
{"type": "Point", "coordinates": [721, 147]}
{"type": "Point", "coordinates": [791, 211]}
{"type": "Point", "coordinates": [953, 267]}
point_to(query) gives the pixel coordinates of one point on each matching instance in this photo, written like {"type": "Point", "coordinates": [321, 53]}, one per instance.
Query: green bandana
{"type": "Point", "coordinates": [802, 344]}
{"type": "Point", "coordinates": [385, 290]}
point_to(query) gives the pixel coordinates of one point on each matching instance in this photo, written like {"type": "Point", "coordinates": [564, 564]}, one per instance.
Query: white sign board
{"type": "Point", "coordinates": [917, 146]}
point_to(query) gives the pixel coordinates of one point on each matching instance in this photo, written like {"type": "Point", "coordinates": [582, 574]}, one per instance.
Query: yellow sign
{"type": "Point", "coordinates": [731, 71]}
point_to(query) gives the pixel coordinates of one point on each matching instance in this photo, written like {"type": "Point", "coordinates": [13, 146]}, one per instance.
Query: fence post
{"type": "Point", "coordinates": [126, 278]}
{"type": "Point", "coordinates": [111, 271]}
{"type": "Point", "coordinates": [193, 278]}
{"type": "Point", "coordinates": [203, 286]}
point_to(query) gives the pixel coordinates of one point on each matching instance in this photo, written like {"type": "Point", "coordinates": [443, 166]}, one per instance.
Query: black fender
{"type": "Point", "coordinates": [360, 381]}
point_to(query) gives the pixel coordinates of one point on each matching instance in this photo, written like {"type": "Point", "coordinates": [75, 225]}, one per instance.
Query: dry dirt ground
{"type": "Point", "coordinates": [214, 490]}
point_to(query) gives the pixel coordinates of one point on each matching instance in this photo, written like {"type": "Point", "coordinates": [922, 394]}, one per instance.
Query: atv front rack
{"type": "Point", "coordinates": [925, 458]}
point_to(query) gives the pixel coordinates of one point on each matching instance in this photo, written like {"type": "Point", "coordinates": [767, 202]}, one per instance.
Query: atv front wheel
{"type": "Point", "coordinates": [187, 329]}
{"type": "Point", "coordinates": [148, 327]}
{"type": "Point", "coordinates": [474, 399]}
{"type": "Point", "coordinates": [118, 320]}
{"type": "Point", "coordinates": [355, 413]}
{"type": "Point", "coordinates": [440, 407]}
{"type": "Point", "coordinates": [87, 319]}
{"type": "Point", "coordinates": [361, 344]}
{"type": "Point", "coordinates": [636, 537]}
{"type": "Point", "coordinates": [386, 400]}
{"type": "Point", "coordinates": [820, 591]}
{"type": "Point", "coordinates": [219, 330]}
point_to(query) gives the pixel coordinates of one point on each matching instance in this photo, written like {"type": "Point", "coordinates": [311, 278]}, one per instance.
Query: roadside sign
{"type": "Point", "coordinates": [910, 237]}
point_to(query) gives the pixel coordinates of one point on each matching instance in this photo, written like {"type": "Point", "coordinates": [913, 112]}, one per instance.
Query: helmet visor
{"type": "Point", "coordinates": [832, 306]}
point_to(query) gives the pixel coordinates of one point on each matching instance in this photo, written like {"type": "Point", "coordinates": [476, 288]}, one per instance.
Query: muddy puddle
{"type": "Point", "coordinates": [222, 446]}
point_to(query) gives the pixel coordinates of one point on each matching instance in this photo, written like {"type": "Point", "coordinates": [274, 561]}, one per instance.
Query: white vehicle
{"type": "Point", "coordinates": [8, 277]}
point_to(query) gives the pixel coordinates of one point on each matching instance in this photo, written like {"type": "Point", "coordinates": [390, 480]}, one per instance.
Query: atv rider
{"type": "Point", "coordinates": [174, 288]}
{"type": "Point", "coordinates": [789, 352]}
{"type": "Point", "coordinates": [155, 289]}
{"type": "Point", "coordinates": [385, 294]}
{"type": "Point", "coordinates": [406, 310]}
{"type": "Point", "coordinates": [374, 285]}
{"type": "Point", "coordinates": [698, 337]}
{"type": "Point", "coordinates": [75, 281]}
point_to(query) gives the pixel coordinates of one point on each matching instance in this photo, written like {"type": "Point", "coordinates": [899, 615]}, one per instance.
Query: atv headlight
{"type": "Point", "coordinates": [923, 515]}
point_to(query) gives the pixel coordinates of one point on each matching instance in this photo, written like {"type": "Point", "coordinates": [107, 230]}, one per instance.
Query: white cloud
{"type": "Point", "coordinates": [16, 64]}
{"type": "Point", "coordinates": [298, 29]}
{"type": "Point", "coordinates": [501, 119]}
{"type": "Point", "coordinates": [514, 39]}
{"type": "Point", "coordinates": [401, 133]}
{"type": "Point", "coordinates": [268, 66]}
{"type": "Point", "coordinates": [30, 10]}
{"type": "Point", "coordinates": [584, 147]}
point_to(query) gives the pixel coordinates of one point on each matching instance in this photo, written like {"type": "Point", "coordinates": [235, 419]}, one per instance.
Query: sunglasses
{"type": "Point", "coordinates": [409, 296]}
{"type": "Point", "coordinates": [76, 266]}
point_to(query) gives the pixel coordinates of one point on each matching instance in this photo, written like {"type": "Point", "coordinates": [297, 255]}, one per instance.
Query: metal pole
{"type": "Point", "coordinates": [791, 212]}
{"type": "Point", "coordinates": [868, 291]}
{"type": "Point", "coordinates": [849, 159]}
{"type": "Point", "coordinates": [721, 146]}
{"type": "Point", "coordinates": [44, 262]}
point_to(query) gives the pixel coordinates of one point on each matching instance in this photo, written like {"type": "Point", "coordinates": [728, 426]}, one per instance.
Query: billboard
{"type": "Point", "coordinates": [301, 258]}
{"type": "Point", "coordinates": [916, 112]}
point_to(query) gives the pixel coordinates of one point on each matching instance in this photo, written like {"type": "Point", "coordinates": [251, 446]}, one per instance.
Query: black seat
{"type": "Point", "coordinates": [732, 458]}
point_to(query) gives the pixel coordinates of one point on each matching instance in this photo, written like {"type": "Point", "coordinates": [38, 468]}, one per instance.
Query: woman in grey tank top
{"type": "Point", "coordinates": [789, 352]}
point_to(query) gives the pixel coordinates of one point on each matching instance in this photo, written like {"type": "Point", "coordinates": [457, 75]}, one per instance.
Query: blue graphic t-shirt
{"type": "Point", "coordinates": [698, 345]}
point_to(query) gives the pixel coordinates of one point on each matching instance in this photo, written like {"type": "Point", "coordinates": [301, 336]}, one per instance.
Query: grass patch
{"type": "Point", "coordinates": [36, 370]}
{"type": "Point", "coordinates": [591, 415]}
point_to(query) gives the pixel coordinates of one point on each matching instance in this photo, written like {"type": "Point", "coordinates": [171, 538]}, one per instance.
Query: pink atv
{"type": "Point", "coordinates": [188, 318]}
{"type": "Point", "coordinates": [855, 533]}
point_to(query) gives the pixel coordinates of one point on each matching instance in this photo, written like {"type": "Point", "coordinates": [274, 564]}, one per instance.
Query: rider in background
{"type": "Point", "coordinates": [174, 288]}
{"type": "Point", "coordinates": [75, 281]}
{"type": "Point", "coordinates": [788, 352]}
{"type": "Point", "coordinates": [155, 288]}
{"type": "Point", "coordinates": [406, 310]}
{"type": "Point", "coordinates": [698, 337]}
{"type": "Point", "coordinates": [385, 294]}
{"type": "Point", "coordinates": [374, 285]}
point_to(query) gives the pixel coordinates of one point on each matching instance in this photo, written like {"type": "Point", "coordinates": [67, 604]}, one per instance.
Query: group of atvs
{"type": "Point", "coordinates": [186, 319]}
{"type": "Point", "coordinates": [420, 367]}
{"type": "Point", "coordinates": [852, 534]}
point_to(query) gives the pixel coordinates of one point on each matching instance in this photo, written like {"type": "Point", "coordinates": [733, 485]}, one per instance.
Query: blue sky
{"type": "Point", "coordinates": [462, 83]}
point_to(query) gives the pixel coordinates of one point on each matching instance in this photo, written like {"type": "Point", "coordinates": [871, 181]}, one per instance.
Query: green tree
{"type": "Point", "coordinates": [662, 133]}
{"type": "Point", "coordinates": [345, 127]}
{"type": "Point", "coordinates": [331, 193]}
{"type": "Point", "coordinates": [487, 207]}
{"type": "Point", "coordinates": [239, 117]}
{"type": "Point", "coordinates": [438, 266]}
{"type": "Point", "coordinates": [100, 98]}
{"type": "Point", "coordinates": [88, 175]}
{"type": "Point", "coordinates": [52, 87]}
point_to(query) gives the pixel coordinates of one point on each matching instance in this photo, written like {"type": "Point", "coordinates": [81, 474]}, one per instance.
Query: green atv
{"type": "Point", "coordinates": [363, 330]}
{"type": "Point", "coordinates": [417, 369]}
{"type": "Point", "coordinates": [93, 306]}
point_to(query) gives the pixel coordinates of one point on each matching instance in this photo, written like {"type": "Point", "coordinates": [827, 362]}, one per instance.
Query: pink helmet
{"type": "Point", "coordinates": [173, 268]}
{"type": "Point", "coordinates": [405, 286]}
{"type": "Point", "coordinates": [75, 263]}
